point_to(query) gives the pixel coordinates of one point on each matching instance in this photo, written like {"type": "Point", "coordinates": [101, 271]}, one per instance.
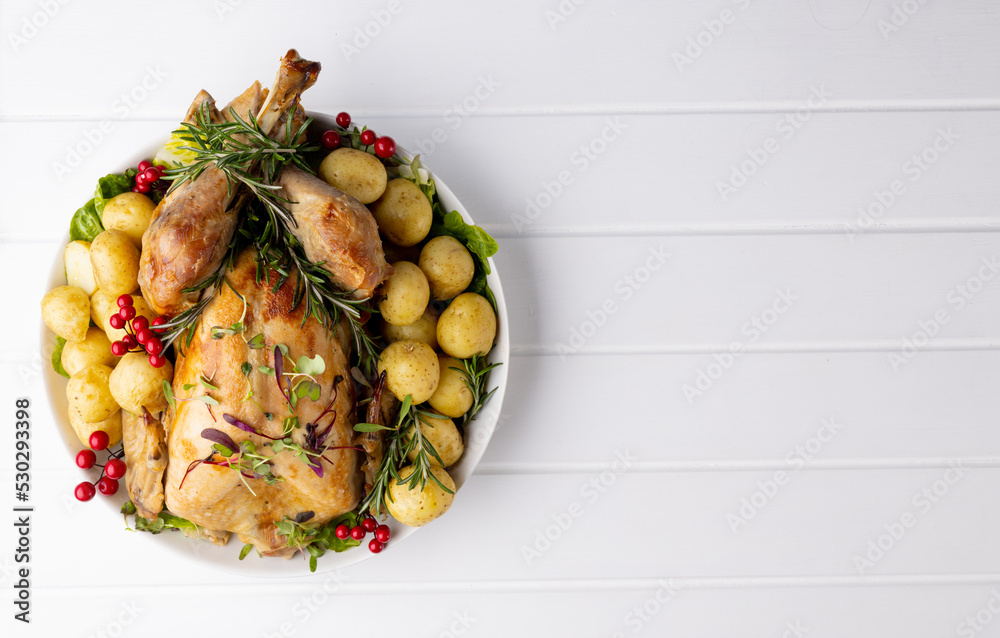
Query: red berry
{"type": "Point", "coordinates": [143, 165]}
{"type": "Point", "coordinates": [369, 524]}
{"type": "Point", "coordinates": [151, 175]}
{"type": "Point", "coordinates": [119, 349]}
{"type": "Point", "coordinates": [140, 179]}
{"type": "Point", "coordinates": [135, 190]}
{"type": "Point", "coordinates": [107, 486]}
{"type": "Point", "coordinates": [116, 321]}
{"type": "Point", "coordinates": [127, 312]}
{"type": "Point", "coordinates": [357, 532]}
{"type": "Point", "coordinates": [158, 321]}
{"type": "Point", "coordinates": [343, 119]}
{"type": "Point", "coordinates": [375, 546]}
{"type": "Point", "coordinates": [139, 323]}
{"type": "Point", "coordinates": [382, 533]}
{"type": "Point", "coordinates": [154, 346]}
{"type": "Point", "coordinates": [125, 300]}
{"type": "Point", "coordinates": [160, 168]}
{"type": "Point", "coordinates": [143, 335]}
{"type": "Point", "coordinates": [85, 459]}
{"type": "Point", "coordinates": [368, 137]}
{"type": "Point", "coordinates": [115, 469]}
{"type": "Point", "coordinates": [385, 147]}
{"type": "Point", "coordinates": [84, 491]}
{"type": "Point", "coordinates": [99, 440]}
{"type": "Point", "coordinates": [157, 360]}
{"type": "Point", "coordinates": [342, 531]}
{"type": "Point", "coordinates": [141, 188]}
{"type": "Point", "coordinates": [330, 140]}
{"type": "Point", "coordinates": [129, 342]}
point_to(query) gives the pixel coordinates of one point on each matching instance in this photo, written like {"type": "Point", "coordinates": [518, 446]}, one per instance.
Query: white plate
{"type": "Point", "coordinates": [226, 558]}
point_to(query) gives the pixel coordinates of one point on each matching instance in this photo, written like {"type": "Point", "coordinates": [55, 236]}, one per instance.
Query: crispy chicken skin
{"type": "Point", "coordinates": [145, 448]}
{"type": "Point", "coordinates": [215, 497]}
{"type": "Point", "coordinates": [336, 229]}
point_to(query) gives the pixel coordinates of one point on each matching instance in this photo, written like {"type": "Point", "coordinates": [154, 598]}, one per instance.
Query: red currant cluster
{"type": "Point", "coordinates": [149, 178]}
{"type": "Point", "coordinates": [111, 471]}
{"type": "Point", "coordinates": [140, 333]}
{"type": "Point", "coordinates": [358, 533]}
{"type": "Point", "coordinates": [385, 146]}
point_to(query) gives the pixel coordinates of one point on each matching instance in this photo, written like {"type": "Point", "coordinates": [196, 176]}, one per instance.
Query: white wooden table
{"type": "Point", "coordinates": [750, 250]}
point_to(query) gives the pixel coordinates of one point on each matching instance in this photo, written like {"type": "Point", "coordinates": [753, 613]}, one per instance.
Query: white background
{"type": "Point", "coordinates": [684, 94]}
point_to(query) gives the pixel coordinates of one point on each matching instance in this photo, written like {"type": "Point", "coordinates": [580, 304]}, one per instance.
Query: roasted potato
{"type": "Point", "coordinates": [467, 326]}
{"type": "Point", "coordinates": [89, 393]}
{"type": "Point", "coordinates": [403, 213]}
{"type": "Point", "coordinates": [448, 266]}
{"type": "Point", "coordinates": [103, 305]}
{"type": "Point", "coordinates": [112, 425]}
{"type": "Point", "coordinates": [354, 172]}
{"type": "Point", "coordinates": [129, 213]}
{"type": "Point", "coordinates": [136, 384]}
{"type": "Point", "coordinates": [116, 262]}
{"type": "Point", "coordinates": [405, 294]}
{"type": "Point", "coordinates": [452, 397]}
{"type": "Point", "coordinates": [443, 436]}
{"type": "Point", "coordinates": [95, 349]}
{"type": "Point", "coordinates": [423, 329]}
{"type": "Point", "coordinates": [66, 311]}
{"type": "Point", "coordinates": [79, 272]}
{"type": "Point", "coordinates": [411, 368]}
{"type": "Point", "coordinates": [418, 507]}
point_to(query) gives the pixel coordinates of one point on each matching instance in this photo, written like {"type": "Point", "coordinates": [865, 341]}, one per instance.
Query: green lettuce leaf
{"type": "Point", "coordinates": [86, 223]}
{"type": "Point", "coordinates": [165, 521]}
{"type": "Point", "coordinates": [112, 185]}
{"type": "Point", "coordinates": [57, 357]}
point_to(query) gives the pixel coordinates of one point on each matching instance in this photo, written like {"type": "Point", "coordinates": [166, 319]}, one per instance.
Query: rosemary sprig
{"type": "Point", "coordinates": [476, 376]}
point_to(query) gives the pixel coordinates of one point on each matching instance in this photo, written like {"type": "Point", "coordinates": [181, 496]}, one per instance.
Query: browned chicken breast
{"type": "Point", "coordinates": [218, 497]}
{"type": "Point", "coordinates": [336, 229]}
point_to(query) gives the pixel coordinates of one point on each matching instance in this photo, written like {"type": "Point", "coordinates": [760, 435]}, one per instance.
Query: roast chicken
{"type": "Point", "coordinates": [326, 467]}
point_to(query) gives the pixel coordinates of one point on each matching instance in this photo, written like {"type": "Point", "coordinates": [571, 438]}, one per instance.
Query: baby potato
{"type": "Point", "coordinates": [354, 172]}
{"type": "Point", "coordinates": [103, 305]}
{"type": "Point", "coordinates": [452, 397]}
{"type": "Point", "coordinates": [129, 213]}
{"type": "Point", "coordinates": [66, 311]}
{"type": "Point", "coordinates": [444, 436]}
{"type": "Point", "coordinates": [411, 368]}
{"type": "Point", "coordinates": [112, 425]}
{"type": "Point", "coordinates": [89, 393]}
{"type": "Point", "coordinates": [423, 329]}
{"type": "Point", "coordinates": [95, 349]}
{"type": "Point", "coordinates": [79, 272]}
{"type": "Point", "coordinates": [467, 326]}
{"type": "Point", "coordinates": [418, 507]}
{"type": "Point", "coordinates": [403, 213]}
{"type": "Point", "coordinates": [136, 384]}
{"type": "Point", "coordinates": [447, 265]}
{"type": "Point", "coordinates": [116, 262]}
{"type": "Point", "coordinates": [405, 294]}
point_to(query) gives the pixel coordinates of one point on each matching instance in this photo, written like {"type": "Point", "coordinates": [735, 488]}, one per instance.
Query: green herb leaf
{"type": "Point", "coordinates": [86, 223]}
{"type": "Point", "coordinates": [314, 365]}
{"type": "Point", "coordinates": [246, 550]}
{"type": "Point", "coordinates": [204, 398]}
{"type": "Point", "coordinates": [188, 386]}
{"type": "Point", "coordinates": [246, 368]}
{"type": "Point", "coordinates": [369, 427]}
{"type": "Point", "coordinates": [283, 348]}
{"type": "Point", "coordinates": [257, 342]}
{"type": "Point", "coordinates": [266, 370]}
{"type": "Point", "coordinates": [168, 392]}
{"type": "Point", "coordinates": [205, 382]}
{"type": "Point", "coordinates": [57, 357]}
